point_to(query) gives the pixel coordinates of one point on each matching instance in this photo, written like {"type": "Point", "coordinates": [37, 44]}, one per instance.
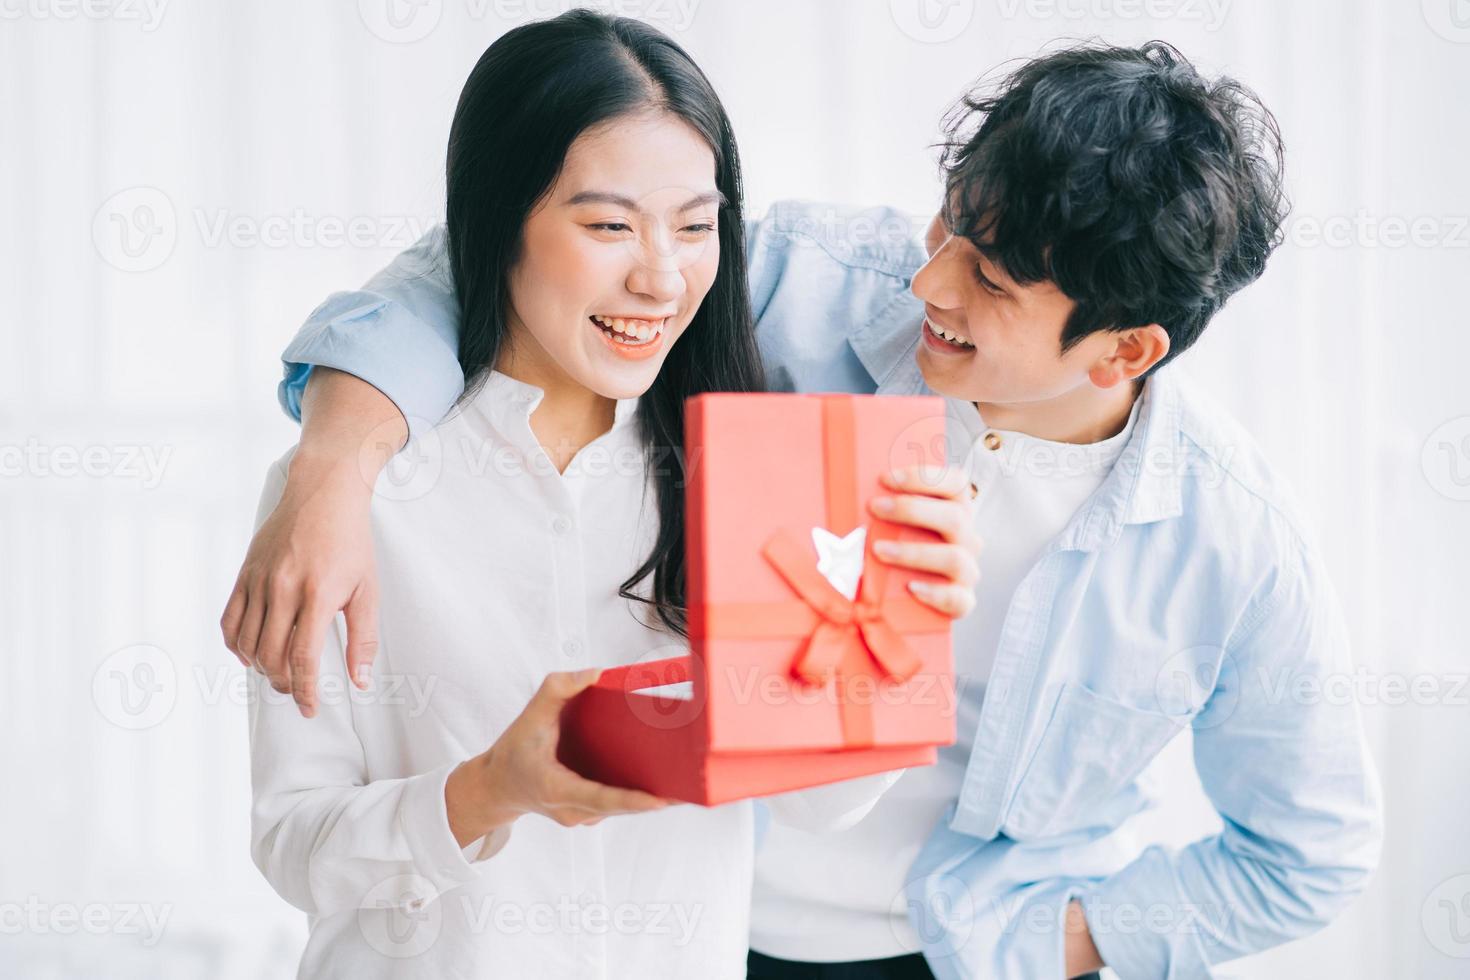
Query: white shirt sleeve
{"type": "Point", "coordinates": [324, 836]}
{"type": "Point", "coordinates": [834, 807]}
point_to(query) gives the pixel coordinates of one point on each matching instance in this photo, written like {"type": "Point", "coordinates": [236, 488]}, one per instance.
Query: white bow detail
{"type": "Point", "coordinates": [840, 560]}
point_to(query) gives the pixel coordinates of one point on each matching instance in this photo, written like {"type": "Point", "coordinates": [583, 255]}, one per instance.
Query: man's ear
{"type": "Point", "coordinates": [1135, 350]}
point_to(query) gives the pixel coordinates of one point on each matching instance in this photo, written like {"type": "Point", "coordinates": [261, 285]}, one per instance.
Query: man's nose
{"type": "Point", "coordinates": [939, 282]}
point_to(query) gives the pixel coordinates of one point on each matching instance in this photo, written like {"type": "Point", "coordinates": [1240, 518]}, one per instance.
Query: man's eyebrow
{"type": "Point", "coordinates": [605, 197]}
{"type": "Point", "coordinates": [992, 255]}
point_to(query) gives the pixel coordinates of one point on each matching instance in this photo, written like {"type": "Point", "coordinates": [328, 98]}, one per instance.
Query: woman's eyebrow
{"type": "Point", "coordinates": [605, 197]}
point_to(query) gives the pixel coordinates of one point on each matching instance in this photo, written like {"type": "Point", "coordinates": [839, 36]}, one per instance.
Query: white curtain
{"type": "Point", "coordinates": [183, 180]}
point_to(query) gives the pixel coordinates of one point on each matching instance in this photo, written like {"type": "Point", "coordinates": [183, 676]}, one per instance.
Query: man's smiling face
{"type": "Point", "coordinates": [1008, 346]}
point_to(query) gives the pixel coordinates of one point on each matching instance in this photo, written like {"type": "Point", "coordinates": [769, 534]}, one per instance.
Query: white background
{"type": "Point", "coordinates": [172, 176]}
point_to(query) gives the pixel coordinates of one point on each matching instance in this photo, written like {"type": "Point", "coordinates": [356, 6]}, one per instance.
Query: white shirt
{"type": "Point", "coordinates": [494, 570]}
{"type": "Point", "coordinates": [841, 896]}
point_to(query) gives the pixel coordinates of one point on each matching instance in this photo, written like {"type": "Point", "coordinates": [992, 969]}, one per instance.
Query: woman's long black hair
{"type": "Point", "coordinates": [532, 93]}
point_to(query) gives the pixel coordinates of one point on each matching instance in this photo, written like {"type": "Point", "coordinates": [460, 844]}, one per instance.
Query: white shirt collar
{"type": "Point", "coordinates": [1096, 457]}
{"type": "Point", "coordinates": [509, 404]}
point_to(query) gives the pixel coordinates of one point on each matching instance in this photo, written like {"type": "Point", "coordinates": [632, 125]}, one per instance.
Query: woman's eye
{"type": "Point", "coordinates": [703, 229]}
{"type": "Point", "coordinates": [611, 226]}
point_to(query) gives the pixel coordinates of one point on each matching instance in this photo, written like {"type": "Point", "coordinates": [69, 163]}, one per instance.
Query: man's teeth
{"type": "Point", "coordinates": [953, 338]}
{"type": "Point", "coordinates": [630, 330]}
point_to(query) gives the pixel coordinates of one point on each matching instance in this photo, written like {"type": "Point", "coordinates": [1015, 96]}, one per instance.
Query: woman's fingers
{"type": "Point", "coordinates": [550, 788]}
{"type": "Point", "coordinates": [558, 687]}
{"type": "Point", "coordinates": [576, 801]}
{"type": "Point", "coordinates": [608, 800]}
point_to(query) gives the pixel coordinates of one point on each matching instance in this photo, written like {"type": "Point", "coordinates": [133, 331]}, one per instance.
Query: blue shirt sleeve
{"type": "Point", "coordinates": [1289, 775]}
{"type": "Point", "coordinates": [829, 289]}
{"type": "Point", "coordinates": [399, 333]}
{"type": "Point", "coordinates": [1294, 786]}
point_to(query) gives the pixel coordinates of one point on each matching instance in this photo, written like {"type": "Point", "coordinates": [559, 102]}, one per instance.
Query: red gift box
{"type": "Point", "coordinates": [798, 674]}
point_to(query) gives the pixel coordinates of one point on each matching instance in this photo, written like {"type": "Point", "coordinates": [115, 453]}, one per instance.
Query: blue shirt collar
{"type": "Point", "coordinates": [1143, 486]}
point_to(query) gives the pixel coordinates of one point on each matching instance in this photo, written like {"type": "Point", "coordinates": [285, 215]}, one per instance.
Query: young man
{"type": "Point", "coordinates": [1143, 572]}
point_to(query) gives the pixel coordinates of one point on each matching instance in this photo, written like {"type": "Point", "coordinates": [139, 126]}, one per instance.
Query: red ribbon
{"type": "Point", "coordinates": [848, 633]}
{"type": "Point", "coordinates": [841, 621]}
{"type": "Point", "coordinates": [844, 638]}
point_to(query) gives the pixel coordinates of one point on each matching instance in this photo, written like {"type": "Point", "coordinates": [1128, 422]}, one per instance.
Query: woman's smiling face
{"type": "Point", "coordinates": [616, 258]}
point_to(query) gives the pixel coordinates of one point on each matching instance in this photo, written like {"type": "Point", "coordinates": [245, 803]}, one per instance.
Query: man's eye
{"type": "Point", "coordinates": [984, 280]}
{"type": "Point", "coordinates": [703, 229]}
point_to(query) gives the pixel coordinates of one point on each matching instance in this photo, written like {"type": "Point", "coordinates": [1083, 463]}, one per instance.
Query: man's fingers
{"type": "Point", "coordinates": [361, 613]}
{"type": "Point", "coordinates": [229, 621]}
{"type": "Point", "coordinates": [953, 601]}
{"type": "Point", "coordinates": [275, 636]}
{"type": "Point", "coordinates": [949, 518]}
{"type": "Point", "coordinates": [929, 481]}
{"type": "Point", "coordinates": [305, 655]}
{"type": "Point", "coordinates": [951, 561]}
{"type": "Point", "coordinates": [251, 621]}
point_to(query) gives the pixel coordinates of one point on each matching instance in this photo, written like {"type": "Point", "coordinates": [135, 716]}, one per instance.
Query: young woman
{"type": "Point", "coordinates": [595, 242]}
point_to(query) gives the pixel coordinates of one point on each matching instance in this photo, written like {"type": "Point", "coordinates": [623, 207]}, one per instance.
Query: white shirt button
{"type": "Point", "coordinates": [561, 525]}
{"type": "Point", "coordinates": [571, 648]}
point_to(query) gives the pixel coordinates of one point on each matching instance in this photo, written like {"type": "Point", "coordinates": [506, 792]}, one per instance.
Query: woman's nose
{"type": "Point", "coordinates": [661, 280]}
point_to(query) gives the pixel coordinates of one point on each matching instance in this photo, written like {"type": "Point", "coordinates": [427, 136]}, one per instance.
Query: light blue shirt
{"type": "Point", "coordinates": [1183, 593]}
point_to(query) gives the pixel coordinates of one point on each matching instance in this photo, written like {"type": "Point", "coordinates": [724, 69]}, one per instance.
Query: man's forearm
{"type": "Point", "coordinates": [346, 422]}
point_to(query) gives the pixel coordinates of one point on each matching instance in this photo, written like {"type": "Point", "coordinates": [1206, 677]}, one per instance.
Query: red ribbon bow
{"type": "Point", "coordinates": [843, 623]}
{"type": "Point", "coordinates": [844, 638]}
{"type": "Point", "coordinates": [848, 634]}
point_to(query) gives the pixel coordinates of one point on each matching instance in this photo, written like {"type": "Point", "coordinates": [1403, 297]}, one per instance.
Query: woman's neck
{"type": "Point", "coordinates": [570, 414]}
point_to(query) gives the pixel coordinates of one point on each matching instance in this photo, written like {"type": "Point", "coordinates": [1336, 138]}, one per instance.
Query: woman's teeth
{"type": "Point", "coordinates": [946, 335]}
{"type": "Point", "coordinates": [630, 331]}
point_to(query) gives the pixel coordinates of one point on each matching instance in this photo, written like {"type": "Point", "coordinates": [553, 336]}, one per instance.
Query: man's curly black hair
{"type": "Point", "coordinates": [1145, 192]}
